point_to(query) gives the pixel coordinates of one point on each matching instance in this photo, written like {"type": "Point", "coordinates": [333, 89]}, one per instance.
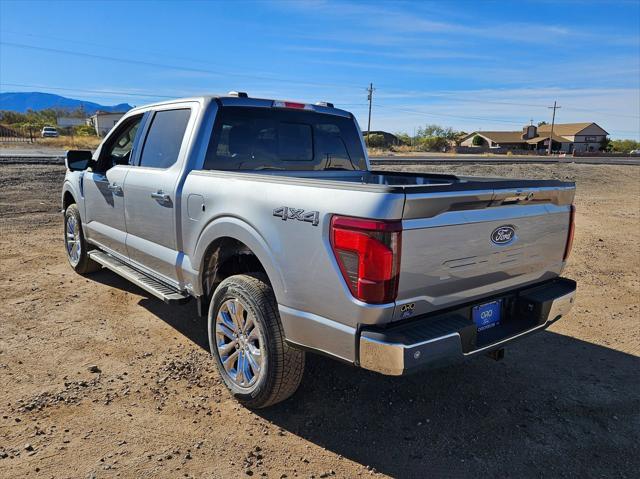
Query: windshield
{"type": "Point", "coordinates": [247, 138]}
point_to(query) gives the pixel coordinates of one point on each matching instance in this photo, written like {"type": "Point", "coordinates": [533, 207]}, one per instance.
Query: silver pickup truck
{"type": "Point", "coordinates": [269, 215]}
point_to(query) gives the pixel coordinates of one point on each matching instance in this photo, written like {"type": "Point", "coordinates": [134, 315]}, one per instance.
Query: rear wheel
{"type": "Point", "coordinates": [247, 342]}
{"type": "Point", "coordinates": [75, 245]}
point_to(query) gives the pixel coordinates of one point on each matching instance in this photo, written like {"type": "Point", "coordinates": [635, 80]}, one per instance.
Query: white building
{"type": "Point", "coordinates": [66, 122]}
{"type": "Point", "coordinates": [103, 121]}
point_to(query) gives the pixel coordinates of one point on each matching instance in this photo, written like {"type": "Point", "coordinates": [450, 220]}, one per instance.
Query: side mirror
{"type": "Point", "coordinates": [78, 160]}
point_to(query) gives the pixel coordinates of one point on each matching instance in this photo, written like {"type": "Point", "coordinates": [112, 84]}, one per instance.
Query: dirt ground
{"type": "Point", "coordinates": [100, 380]}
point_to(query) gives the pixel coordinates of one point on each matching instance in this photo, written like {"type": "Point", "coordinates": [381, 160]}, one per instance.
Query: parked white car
{"type": "Point", "coordinates": [49, 132]}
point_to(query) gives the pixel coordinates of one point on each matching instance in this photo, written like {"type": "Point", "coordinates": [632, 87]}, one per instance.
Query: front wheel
{"type": "Point", "coordinates": [75, 245]}
{"type": "Point", "coordinates": [247, 342]}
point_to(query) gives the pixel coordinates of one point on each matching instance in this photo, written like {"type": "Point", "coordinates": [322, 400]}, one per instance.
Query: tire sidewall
{"type": "Point", "coordinates": [72, 211]}
{"type": "Point", "coordinates": [231, 288]}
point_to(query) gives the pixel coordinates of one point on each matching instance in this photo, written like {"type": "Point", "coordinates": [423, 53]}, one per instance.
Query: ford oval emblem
{"type": "Point", "coordinates": [504, 234]}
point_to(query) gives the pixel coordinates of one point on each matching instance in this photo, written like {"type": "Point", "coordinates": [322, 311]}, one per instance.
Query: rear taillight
{"type": "Point", "coordinates": [572, 228]}
{"type": "Point", "coordinates": [368, 253]}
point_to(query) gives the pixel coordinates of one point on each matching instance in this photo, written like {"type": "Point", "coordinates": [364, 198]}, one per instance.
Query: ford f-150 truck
{"type": "Point", "coordinates": [268, 214]}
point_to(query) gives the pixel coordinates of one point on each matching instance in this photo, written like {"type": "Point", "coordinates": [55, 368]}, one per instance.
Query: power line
{"type": "Point", "coordinates": [453, 96]}
{"type": "Point", "coordinates": [177, 94]}
{"type": "Point", "coordinates": [127, 93]}
{"type": "Point", "coordinates": [86, 90]}
{"type": "Point", "coordinates": [450, 96]}
{"type": "Point", "coordinates": [176, 67]}
{"type": "Point", "coordinates": [418, 112]}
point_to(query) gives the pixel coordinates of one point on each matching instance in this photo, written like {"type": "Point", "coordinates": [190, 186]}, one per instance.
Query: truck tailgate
{"type": "Point", "coordinates": [461, 246]}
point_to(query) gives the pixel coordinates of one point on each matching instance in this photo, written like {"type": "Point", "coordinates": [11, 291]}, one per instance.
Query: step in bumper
{"type": "Point", "coordinates": [446, 338]}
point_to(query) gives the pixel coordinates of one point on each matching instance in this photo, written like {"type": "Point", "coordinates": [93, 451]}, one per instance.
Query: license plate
{"type": "Point", "coordinates": [486, 315]}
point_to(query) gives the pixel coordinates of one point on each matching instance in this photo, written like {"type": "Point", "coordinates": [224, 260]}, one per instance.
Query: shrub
{"type": "Point", "coordinates": [403, 139]}
{"type": "Point", "coordinates": [477, 140]}
{"type": "Point", "coordinates": [84, 130]}
{"type": "Point", "coordinates": [624, 146]}
{"type": "Point", "coordinates": [375, 140]}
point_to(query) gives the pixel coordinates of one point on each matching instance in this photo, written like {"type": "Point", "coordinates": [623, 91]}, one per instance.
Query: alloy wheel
{"type": "Point", "coordinates": [72, 239]}
{"type": "Point", "coordinates": [239, 343]}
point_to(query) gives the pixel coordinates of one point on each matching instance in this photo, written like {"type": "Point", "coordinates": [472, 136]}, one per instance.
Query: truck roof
{"type": "Point", "coordinates": [233, 100]}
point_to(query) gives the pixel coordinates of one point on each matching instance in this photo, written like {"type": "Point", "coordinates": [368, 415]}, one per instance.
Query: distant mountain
{"type": "Point", "coordinates": [23, 101]}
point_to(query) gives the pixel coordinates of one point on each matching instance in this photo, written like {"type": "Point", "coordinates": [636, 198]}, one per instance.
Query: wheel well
{"type": "Point", "coordinates": [225, 257]}
{"type": "Point", "coordinates": [67, 200]}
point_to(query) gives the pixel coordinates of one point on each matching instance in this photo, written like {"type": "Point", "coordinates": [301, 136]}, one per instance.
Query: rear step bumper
{"type": "Point", "coordinates": [445, 338]}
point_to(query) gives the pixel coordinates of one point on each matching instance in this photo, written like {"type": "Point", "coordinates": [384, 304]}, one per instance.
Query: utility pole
{"type": "Point", "coordinates": [553, 121]}
{"type": "Point", "coordinates": [370, 98]}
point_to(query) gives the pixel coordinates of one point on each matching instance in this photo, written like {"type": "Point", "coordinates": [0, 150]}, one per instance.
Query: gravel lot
{"type": "Point", "coordinates": [100, 380]}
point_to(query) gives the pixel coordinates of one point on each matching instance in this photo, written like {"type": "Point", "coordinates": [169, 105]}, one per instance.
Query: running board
{"type": "Point", "coordinates": [160, 290]}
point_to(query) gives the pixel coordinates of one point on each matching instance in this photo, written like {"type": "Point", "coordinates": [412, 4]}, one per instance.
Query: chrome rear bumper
{"type": "Point", "coordinates": [448, 338]}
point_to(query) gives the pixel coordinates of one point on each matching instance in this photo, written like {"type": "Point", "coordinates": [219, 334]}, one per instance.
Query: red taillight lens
{"type": "Point", "coordinates": [572, 228]}
{"type": "Point", "coordinates": [291, 104]}
{"type": "Point", "coordinates": [368, 253]}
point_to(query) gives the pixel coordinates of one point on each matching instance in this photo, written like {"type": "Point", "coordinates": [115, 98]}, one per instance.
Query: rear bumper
{"type": "Point", "coordinates": [451, 337]}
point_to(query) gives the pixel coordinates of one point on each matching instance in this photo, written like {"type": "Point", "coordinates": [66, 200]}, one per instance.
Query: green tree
{"type": "Point", "coordinates": [84, 130]}
{"type": "Point", "coordinates": [403, 139]}
{"type": "Point", "coordinates": [434, 137]}
{"type": "Point", "coordinates": [605, 144]}
{"type": "Point", "coordinates": [624, 146]}
{"type": "Point", "coordinates": [477, 140]}
{"type": "Point", "coordinates": [375, 140]}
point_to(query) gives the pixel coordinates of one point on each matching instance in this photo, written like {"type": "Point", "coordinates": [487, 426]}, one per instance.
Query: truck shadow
{"type": "Point", "coordinates": [555, 406]}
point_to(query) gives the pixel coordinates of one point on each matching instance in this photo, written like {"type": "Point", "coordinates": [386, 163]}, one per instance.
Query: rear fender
{"type": "Point", "coordinates": [239, 230]}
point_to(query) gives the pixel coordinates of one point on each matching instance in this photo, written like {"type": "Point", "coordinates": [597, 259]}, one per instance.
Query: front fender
{"type": "Point", "coordinates": [72, 186]}
{"type": "Point", "coordinates": [231, 227]}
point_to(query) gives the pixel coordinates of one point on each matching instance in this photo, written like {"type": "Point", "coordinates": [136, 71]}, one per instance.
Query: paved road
{"type": "Point", "coordinates": [55, 156]}
{"type": "Point", "coordinates": [29, 152]}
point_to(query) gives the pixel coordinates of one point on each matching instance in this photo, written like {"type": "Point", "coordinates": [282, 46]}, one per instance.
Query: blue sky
{"type": "Point", "coordinates": [467, 64]}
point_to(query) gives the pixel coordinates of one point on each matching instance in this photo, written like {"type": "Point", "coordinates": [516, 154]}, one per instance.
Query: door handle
{"type": "Point", "coordinates": [160, 195]}
{"type": "Point", "coordinates": [117, 189]}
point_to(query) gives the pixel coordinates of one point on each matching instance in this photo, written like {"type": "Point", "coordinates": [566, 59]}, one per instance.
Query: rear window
{"type": "Point", "coordinates": [264, 138]}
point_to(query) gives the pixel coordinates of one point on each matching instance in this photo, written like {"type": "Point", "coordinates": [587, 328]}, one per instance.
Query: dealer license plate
{"type": "Point", "coordinates": [487, 315]}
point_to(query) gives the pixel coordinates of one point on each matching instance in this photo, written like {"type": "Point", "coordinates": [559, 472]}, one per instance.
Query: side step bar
{"type": "Point", "coordinates": [160, 290]}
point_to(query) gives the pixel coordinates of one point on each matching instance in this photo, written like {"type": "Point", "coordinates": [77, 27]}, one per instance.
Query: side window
{"type": "Point", "coordinates": [162, 145]}
{"type": "Point", "coordinates": [119, 150]}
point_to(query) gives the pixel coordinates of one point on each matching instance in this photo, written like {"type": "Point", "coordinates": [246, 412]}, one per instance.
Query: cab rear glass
{"type": "Point", "coordinates": [249, 138]}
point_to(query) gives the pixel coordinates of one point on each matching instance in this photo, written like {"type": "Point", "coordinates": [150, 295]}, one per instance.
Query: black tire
{"type": "Point", "coordinates": [282, 366]}
{"type": "Point", "coordinates": [82, 264]}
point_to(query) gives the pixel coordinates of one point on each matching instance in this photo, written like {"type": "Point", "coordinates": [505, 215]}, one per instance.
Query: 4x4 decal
{"type": "Point", "coordinates": [288, 213]}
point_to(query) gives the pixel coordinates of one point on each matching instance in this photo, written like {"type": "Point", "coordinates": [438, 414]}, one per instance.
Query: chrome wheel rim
{"type": "Point", "coordinates": [239, 343]}
{"type": "Point", "coordinates": [72, 239]}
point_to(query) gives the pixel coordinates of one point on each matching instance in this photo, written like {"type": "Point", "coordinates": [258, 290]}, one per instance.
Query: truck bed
{"type": "Point", "coordinates": [448, 257]}
{"type": "Point", "coordinates": [398, 182]}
